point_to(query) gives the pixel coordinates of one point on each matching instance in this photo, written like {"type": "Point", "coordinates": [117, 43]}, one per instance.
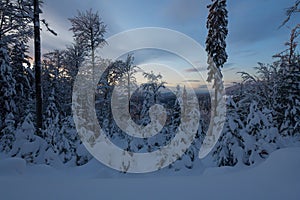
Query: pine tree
{"type": "Point", "coordinates": [217, 32]}
{"type": "Point", "coordinates": [7, 87]}
{"type": "Point", "coordinates": [260, 136]}
{"type": "Point", "coordinates": [52, 119]}
{"type": "Point", "coordinates": [27, 145]}
{"type": "Point", "coordinates": [216, 49]}
{"type": "Point", "coordinates": [15, 30]}
{"type": "Point", "coordinates": [24, 80]}
{"type": "Point", "coordinates": [230, 149]}
{"type": "Point", "coordinates": [53, 75]}
{"type": "Point", "coordinates": [7, 134]}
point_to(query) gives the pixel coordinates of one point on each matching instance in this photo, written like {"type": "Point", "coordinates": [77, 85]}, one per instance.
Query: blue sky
{"type": "Point", "coordinates": [253, 24]}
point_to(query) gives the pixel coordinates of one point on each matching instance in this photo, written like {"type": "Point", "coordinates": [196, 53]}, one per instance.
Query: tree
{"type": "Point", "coordinates": [216, 49]}
{"type": "Point", "coordinates": [290, 11]}
{"type": "Point", "coordinates": [54, 79]}
{"type": "Point", "coordinates": [217, 32]}
{"type": "Point", "coordinates": [89, 31]}
{"type": "Point", "coordinates": [74, 57]}
{"type": "Point", "coordinates": [7, 88]}
{"type": "Point", "coordinates": [288, 98]}
{"type": "Point", "coordinates": [52, 119]}
{"type": "Point", "coordinates": [154, 84]}
{"type": "Point", "coordinates": [15, 31]}
{"type": "Point", "coordinates": [15, 20]}
{"type": "Point", "coordinates": [261, 86]}
{"type": "Point", "coordinates": [24, 76]}
{"type": "Point", "coordinates": [7, 134]}
{"type": "Point", "coordinates": [129, 71]}
{"type": "Point", "coordinates": [260, 135]}
{"type": "Point", "coordinates": [38, 64]}
{"type": "Point", "coordinates": [27, 145]}
{"type": "Point", "coordinates": [37, 68]}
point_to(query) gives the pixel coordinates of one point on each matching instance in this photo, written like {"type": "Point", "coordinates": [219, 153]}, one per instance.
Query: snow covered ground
{"type": "Point", "coordinates": [276, 178]}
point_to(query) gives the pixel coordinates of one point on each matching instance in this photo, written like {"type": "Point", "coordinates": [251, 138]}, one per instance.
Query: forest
{"type": "Point", "coordinates": [36, 117]}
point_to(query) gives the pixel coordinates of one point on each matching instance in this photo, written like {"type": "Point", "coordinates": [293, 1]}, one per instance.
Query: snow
{"type": "Point", "coordinates": [276, 178]}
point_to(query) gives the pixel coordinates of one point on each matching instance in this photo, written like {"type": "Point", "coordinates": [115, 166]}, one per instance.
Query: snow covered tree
{"type": "Point", "coordinates": [217, 32]}
{"type": "Point", "coordinates": [230, 149]}
{"type": "Point", "coordinates": [24, 80]}
{"type": "Point", "coordinates": [15, 31]}
{"type": "Point", "coordinates": [154, 84]}
{"type": "Point", "coordinates": [7, 87]}
{"type": "Point", "coordinates": [7, 134]}
{"type": "Point", "coordinates": [52, 119]}
{"type": "Point", "coordinates": [288, 98]}
{"type": "Point", "coordinates": [16, 17]}
{"type": "Point", "coordinates": [27, 145]}
{"type": "Point", "coordinates": [16, 80]}
{"type": "Point", "coordinates": [149, 92]}
{"type": "Point", "coordinates": [260, 134]}
{"type": "Point", "coordinates": [54, 79]}
{"type": "Point", "coordinates": [176, 112]}
{"type": "Point", "coordinates": [261, 86]}
{"type": "Point", "coordinates": [69, 146]}
{"type": "Point", "coordinates": [216, 49]}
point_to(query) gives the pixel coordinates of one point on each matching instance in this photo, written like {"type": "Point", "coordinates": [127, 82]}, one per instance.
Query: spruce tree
{"type": "Point", "coordinates": [216, 49]}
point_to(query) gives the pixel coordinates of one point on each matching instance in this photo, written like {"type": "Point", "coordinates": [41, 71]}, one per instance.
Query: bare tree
{"type": "Point", "coordinates": [129, 71]}
{"type": "Point", "coordinates": [290, 11]}
{"type": "Point", "coordinates": [89, 31]}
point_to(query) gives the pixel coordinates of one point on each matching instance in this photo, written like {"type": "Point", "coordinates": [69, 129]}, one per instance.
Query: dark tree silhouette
{"type": "Point", "coordinates": [37, 68]}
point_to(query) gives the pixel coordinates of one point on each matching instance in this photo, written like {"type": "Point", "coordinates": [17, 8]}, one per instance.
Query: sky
{"type": "Point", "coordinates": [254, 33]}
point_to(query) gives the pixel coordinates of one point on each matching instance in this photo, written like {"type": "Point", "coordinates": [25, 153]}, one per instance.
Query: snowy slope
{"type": "Point", "coordinates": [277, 178]}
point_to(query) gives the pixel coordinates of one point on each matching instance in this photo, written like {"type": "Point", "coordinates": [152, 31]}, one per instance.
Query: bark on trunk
{"type": "Point", "coordinates": [37, 67]}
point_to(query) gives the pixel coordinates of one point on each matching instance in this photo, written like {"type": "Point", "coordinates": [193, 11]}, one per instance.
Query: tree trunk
{"type": "Point", "coordinates": [37, 67]}
{"type": "Point", "coordinates": [128, 90]}
{"type": "Point", "coordinates": [93, 64]}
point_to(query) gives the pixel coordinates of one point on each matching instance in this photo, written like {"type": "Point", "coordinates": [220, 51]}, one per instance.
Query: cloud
{"type": "Point", "coordinates": [191, 81]}
{"type": "Point", "coordinates": [245, 52]}
{"type": "Point", "coordinates": [193, 69]}
{"type": "Point", "coordinates": [229, 69]}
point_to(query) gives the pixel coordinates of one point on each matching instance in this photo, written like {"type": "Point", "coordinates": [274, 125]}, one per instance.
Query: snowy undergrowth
{"type": "Point", "coordinates": [276, 178]}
